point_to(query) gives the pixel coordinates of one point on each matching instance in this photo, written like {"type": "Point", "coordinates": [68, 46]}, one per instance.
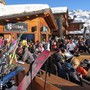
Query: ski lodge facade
{"type": "Point", "coordinates": [36, 22]}
{"type": "Point", "coordinates": [75, 28]}
{"type": "Point", "coordinates": [35, 25]}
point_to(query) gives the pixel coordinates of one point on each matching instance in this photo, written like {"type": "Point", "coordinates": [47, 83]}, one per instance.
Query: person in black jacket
{"type": "Point", "coordinates": [68, 71]}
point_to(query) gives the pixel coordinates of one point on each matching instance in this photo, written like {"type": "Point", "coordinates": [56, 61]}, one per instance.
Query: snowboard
{"type": "Point", "coordinates": [35, 68]}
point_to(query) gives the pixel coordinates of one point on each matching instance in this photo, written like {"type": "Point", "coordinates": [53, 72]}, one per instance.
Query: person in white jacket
{"type": "Point", "coordinates": [71, 46]}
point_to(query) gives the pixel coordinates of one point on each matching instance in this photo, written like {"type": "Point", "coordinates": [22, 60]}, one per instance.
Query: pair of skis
{"type": "Point", "coordinates": [8, 67]}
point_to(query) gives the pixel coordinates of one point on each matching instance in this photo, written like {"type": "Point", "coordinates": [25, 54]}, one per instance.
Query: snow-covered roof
{"type": "Point", "coordinates": [78, 21]}
{"type": "Point", "coordinates": [7, 10]}
{"type": "Point", "coordinates": [78, 32]}
{"type": "Point", "coordinates": [59, 9]}
{"type": "Point", "coordinates": [1, 4]}
{"type": "Point", "coordinates": [81, 15]}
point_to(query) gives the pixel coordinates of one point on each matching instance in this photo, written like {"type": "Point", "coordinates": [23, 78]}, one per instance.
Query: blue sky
{"type": "Point", "coordinates": [71, 4]}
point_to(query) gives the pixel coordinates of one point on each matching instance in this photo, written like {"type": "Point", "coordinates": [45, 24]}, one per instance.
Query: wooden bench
{"type": "Point", "coordinates": [62, 83]}
{"type": "Point", "coordinates": [82, 57]}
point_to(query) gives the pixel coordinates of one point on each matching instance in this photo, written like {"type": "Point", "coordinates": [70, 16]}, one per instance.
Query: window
{"type": "Point", "coordinates": [43, 37]}
{"type": "Point", "coordinates": [34, 28]}
{"type": "Point", "coordinates": [44, 29]}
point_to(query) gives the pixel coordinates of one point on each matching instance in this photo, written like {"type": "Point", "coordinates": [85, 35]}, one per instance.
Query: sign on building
{"type": "Point", "coordinates": [19, 26]}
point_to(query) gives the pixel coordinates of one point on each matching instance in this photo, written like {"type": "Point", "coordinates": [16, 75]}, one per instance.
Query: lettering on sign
{"type": "Point", "coordinates": [19, 26]}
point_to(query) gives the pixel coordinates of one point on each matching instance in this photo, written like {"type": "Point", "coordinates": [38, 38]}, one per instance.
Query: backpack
{"type": "Point", "coordinates": [57, 57]}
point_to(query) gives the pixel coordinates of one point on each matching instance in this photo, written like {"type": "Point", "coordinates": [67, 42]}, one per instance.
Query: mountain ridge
{"type": "Point", "coordinates": [81, 15]}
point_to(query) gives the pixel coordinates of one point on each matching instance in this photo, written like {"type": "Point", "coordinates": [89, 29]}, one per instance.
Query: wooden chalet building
{"type": "Point", "coordinates": [61, 18]}
{"type": "Point", "coordinates": [64, 22]}
{"type": "Point", "coordinates": [74, 24]}
{"type": "Point", "coordinates": [74, 27]}
{"type": "Point", "coordinates": [35, 21]}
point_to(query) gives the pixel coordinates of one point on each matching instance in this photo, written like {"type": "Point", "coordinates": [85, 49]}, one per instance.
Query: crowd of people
{"type": "Point", "coordinates": [64, 60]}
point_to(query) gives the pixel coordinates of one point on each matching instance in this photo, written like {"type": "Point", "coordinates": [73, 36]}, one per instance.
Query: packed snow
{"type": "Point", "coordinates": [59, 9]}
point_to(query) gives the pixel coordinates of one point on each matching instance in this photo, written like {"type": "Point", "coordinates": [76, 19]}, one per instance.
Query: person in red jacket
{"type": "Point", "coordinates": [82, 71]}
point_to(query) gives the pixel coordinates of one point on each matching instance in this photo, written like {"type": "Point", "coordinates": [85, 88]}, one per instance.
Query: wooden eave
{"type": "Point", "coordinates": [70, 20]}
{"type": "Point", "coordinates": [46, 14]}
{"type": "Point", "coordinates": [76, 22]}
{"type": "Point", "coordinates": [21, 15]}
{"type": "Point", "coordinates": [51, 20]}
{"type": "Point", "coordinates": [75, 26]}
